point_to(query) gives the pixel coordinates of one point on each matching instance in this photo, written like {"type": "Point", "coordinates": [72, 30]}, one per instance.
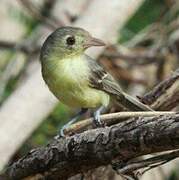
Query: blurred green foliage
{"type": "Point", "coordinates": [174, 175]}
{"type": "Point", "coordinates": [148, 13]}
{"type": "Point", "coordinates": [7, 55]}
{"type": "Point", "coordinates": [21, 17]}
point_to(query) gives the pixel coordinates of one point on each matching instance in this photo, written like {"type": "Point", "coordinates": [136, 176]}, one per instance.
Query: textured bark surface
{"type": "Point", "coordinates": [165, 96]}
{"type": "Point", "coordinates": [65, 157]}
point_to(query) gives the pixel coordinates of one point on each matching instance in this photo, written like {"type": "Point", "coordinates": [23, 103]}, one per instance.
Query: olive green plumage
{"type": "Point", "coordinates": [76, 79]}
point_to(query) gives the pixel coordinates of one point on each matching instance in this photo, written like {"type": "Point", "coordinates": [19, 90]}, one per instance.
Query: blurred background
{"type": "Point", "coordinates": [143, 49]}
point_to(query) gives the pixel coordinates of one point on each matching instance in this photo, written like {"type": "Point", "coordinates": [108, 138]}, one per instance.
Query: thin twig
{"type": "Point", "coordinates": [135, 58]}
{"type": "Point", "coordinates": [112, 118]}
{"type": "Point", "coordinates": [19, 47]}
{"type": "Point", "coordinates": [149, 163]}
{"type": "Point", "coordinates": [48, 19]}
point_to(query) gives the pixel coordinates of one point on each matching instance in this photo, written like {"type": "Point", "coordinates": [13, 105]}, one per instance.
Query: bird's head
{"type": "Point", "coordinates": [68, 42]}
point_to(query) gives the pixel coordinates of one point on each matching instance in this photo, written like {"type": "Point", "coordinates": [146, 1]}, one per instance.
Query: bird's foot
{"type": "Point", "coordinates": [73, 120]}
{"type": "Point", "coordinates": [61, 133]}
{"type": "Point", "coordinates": [97, 120]}
{"type": "Point", "coordinates": [63, 128]}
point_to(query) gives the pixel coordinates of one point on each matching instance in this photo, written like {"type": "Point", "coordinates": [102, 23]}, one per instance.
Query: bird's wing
{"type": "Point", "coordinates": [102, 80]}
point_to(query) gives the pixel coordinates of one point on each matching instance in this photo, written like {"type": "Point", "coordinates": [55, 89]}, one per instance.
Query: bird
{"type": "Point", "coordinates": [76, 79]}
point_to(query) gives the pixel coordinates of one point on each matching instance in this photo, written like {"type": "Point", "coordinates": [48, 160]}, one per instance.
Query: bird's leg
{"type": "Point", "coordinates": [73, 120]}
{"type": "Point", "coordinates": [96, 115]}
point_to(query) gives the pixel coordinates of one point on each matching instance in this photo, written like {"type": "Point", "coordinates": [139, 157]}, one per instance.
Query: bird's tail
{"type": "Point", "coordinates": [133, 104]}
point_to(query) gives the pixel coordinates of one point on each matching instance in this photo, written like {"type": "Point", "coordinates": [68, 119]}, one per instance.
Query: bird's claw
{"type": "Point", "coordinates": [60, 134]}
{"type": "Point", "coordinates": [97, 120]}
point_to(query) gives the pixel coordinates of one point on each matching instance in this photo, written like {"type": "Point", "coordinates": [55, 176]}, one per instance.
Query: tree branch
{"type": "Point", "coordinates": [149, 163]}
{"type": "Point", "coordinates": [24, 47]}
{"type": "Point", "coordinates": [110, 119]}
{"type": "Point", "coordinates": [165, 96]}
{"type": "Point", "coordinates": [68, 156]}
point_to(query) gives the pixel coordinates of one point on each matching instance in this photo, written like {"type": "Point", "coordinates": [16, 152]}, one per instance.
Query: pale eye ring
{"type": "Point", "coordinates": [70, 40]}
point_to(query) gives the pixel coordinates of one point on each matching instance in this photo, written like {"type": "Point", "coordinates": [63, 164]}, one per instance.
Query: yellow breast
{"type": "Point", "coordinates": [68, 80]}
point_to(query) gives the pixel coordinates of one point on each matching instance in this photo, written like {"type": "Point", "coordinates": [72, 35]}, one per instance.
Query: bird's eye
{"type": "Point", "coordinates": [70, 40]}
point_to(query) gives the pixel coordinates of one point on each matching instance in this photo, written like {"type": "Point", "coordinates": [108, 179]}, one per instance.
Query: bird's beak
{"type": "Point", "coordinates": [93, 42]}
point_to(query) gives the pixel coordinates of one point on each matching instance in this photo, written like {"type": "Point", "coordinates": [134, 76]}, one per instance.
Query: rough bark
{"type": "Point", "coordinates": [169, 91]}
{"type": "Point", "coordinates": [65, 157]}
{"type": "Point", "coordinates": [165, 96]}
